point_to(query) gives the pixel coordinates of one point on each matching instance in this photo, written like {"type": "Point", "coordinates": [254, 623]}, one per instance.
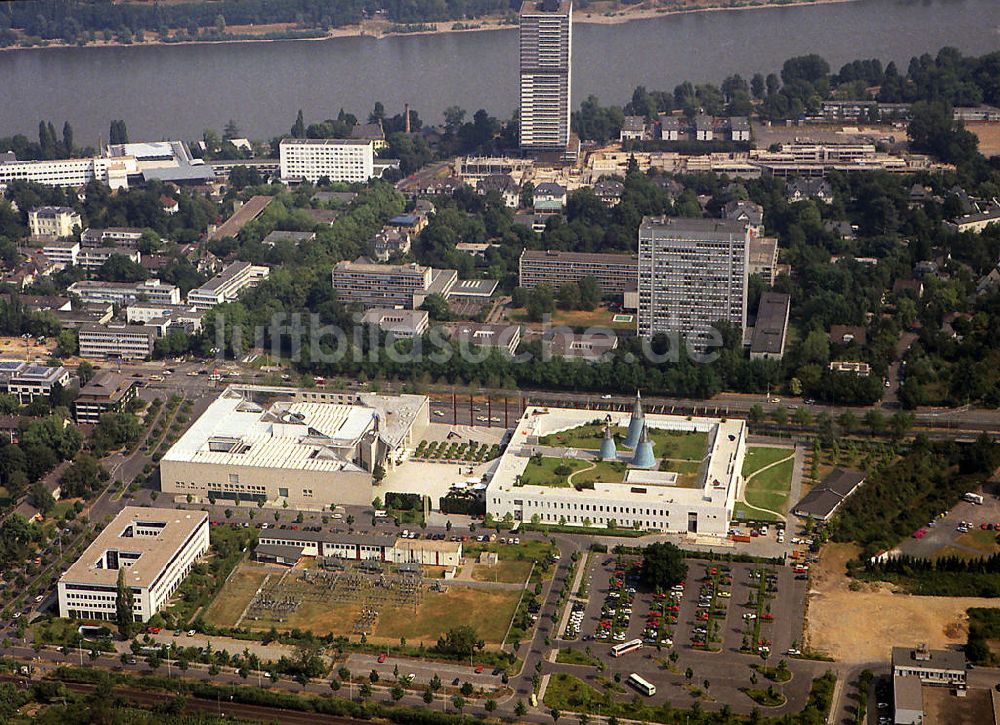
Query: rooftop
{"type": "Point", "coordinates": [769, 331]}
{"type": "Point", "coordinates": [152, 553]}
{"type": "Point", "coordinates": [588, 257]}
{"type": "Point", "coordinates": [325, 142]}
{"type": "Point", "coordinates": [688, 229]}
{"type": "Point", "coordinates": [106, 385]}
{"type": "Point", "coordinates": [932, 659]}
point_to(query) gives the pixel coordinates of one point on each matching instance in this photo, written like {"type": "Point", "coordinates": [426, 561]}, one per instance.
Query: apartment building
{"type": "Point", "coordinates": [115, 236]}
{"type": "Point", "coordinates": [53, 221]}
{"type": "Point", "coordinates": [68, 172]}
{"type": "Point", "coordinates": [93, 258]}
{"type": "Point", "coordinates": [227, 285]}
{"type": "Point", "coordinates": [62, 252]}
{"type": "Point", "coordinates": [156, 548]}
{"type": "Point", "coordinates": [107, 392]}
{"type": "Point", "coordinates": [546, 49]}
{"type": "Point", "coordinates": [116, 341]}
{"type": "Point", "coordinates": [692, 274]}
{"type": "Point", "coordinates": [124, 293]}
{"type": "Point", "coordinates": [345, 160]}
{"type": "Point", "coordinates": [614, 273]}
{"type": "Point", "coordinates": [383, 285]}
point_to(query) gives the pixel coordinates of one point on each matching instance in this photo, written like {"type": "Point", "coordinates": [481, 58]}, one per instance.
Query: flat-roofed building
{"type": "Point", "coordinates": [477, 334]}
{"type": "Point", "coordinates": [692, 274]}
{"type": "Point", "coordinates": [930, 666]}
{"type": "Point", "coordinates": [107, 392]}
{"type": "Point", "coordinates": [614, 273]}
{"type": "Point", "coordinates": [156, 548]}
{"type": "Point", "coordinates": [164, 161]}
{"type": "Point", "coordinates": [53, 221]}
{"type": "Point", "coordinates": [304, 448]}
{"type": "Point", "coordinates": [908, 701]}
{"type": "Point", "coordinates": [380, 285]}
{"type": "Point", "coordinates": [762, 258]}
{"type": "Point", "coordinates": [853, 367]}
{"type": "Point", "coordinates": [585, 345]}
{"type": "Point", "coordinates": [227, 285]}
{"type": "Point", "coordinates": [27, 380]}
{"type": "Point", "coordinates": [115, 236]}
{"type": "Point", "coordinates": [73, 173]}
{"type": "Point", "coordinates": [365, 547]}
{"type": "Point", "coordinates": [340, 160]}
{"type": "Point", "coordinates": [124, 293]}
{"type": "Point", "coordinates": [243, 214]}
{"type": "Point", "coordinates": [64, 252]}
{"type": "Point", "coordinates": [93, 258]}
{"type": "Point", "coordinates": [770, 332]}
{"type": "Point", "coordinates": [546, 50]}
{"type": "Point", "coordinates": [398, 323]}
{"type": "Point", "coordinates": [127, 342]}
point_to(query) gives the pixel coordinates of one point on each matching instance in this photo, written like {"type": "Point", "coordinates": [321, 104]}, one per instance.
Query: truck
{"type": "Point", "coordinates": [973, 498]}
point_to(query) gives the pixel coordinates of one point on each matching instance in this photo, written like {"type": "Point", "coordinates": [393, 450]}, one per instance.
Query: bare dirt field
{"type": "Point", "coordinates": [941, 707]}
{"type": "Point", "coordinates": [16, 348]}
{"type": "Point", "coordinates": [989, 137]}
{"type": "Point", "coordinates": [862, 626]}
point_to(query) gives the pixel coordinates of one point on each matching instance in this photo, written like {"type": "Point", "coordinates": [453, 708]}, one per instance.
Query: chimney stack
{"type": "Point", "coordinates": [406, 115]}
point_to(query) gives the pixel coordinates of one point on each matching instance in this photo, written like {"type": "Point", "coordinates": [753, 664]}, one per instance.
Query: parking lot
{"type": "Point", "coordinates": [945, 535]}
{"type": "Point", "coordinates": [727, 618]}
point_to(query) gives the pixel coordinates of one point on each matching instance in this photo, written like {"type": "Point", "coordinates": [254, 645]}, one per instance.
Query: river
{"type": "Point", "coordinates": [177, 91]}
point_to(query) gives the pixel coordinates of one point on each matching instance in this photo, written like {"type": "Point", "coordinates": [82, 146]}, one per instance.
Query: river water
{"type": "Point", "coordinates": [178, 91]}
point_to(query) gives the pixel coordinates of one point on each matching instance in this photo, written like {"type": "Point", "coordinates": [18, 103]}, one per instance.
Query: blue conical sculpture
{"type": "Point", "coordinates": [635, 423]}
{"type": "Point", "coordinates": [608, 450]}
{"type": "Point", "coordinates": [644, 457]}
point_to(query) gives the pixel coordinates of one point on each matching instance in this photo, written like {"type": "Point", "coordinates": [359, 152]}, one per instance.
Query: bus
{"type": "Point", "coordinates": [625, 647]}
{"type": "Point", "coordinates": [646, 688]}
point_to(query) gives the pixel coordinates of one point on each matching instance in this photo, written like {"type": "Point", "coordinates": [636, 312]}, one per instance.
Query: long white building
{"type": "Point", "coordinates": [546, 49]}
{"type": "Point", "coordinates": [155, 546]}
{"type": "Point", "coordinates": [645, 498]}
{"type": "Point", "coordinates": [124, 293]}
{"type": "Point", "coordinates": [692, 273]}
{"type": "Point", "coordinates": [128, 342]}
{"type": "Point", "coordinates": [227, 285]}
{"type": "Point", "coordinates": [68, 172]}
{"type": "Point", "coordinates": [339, 159]}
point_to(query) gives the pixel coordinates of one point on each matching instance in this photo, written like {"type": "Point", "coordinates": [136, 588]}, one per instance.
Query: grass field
{"type": "Point", "coordinates": [510, 571]}
{"type": "Point", "coordinates": [599, 317]}
{"type": "Point", "coordinates": [576, 657]}
{"type": "Point", "coordinates": [742, 512]}
{"type": "Point", "coordinates": [758, 457]}
{"type": "Point", "coordinates": [228, 605]}
{"type": "Point", "coordinates": [527, 550]}
{"type": "Point", "coordinates": [543, 472]}
{"type": "Point", "coordinates": [981, 540]}
{"type": "Point", "coordinates": [680, 445]}
{"type": "Point", "coordinates": [769, 488]}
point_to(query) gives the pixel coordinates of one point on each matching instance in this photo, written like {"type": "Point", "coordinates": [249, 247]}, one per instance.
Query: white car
{"type": "Point", "coordinates": [439, 414]}
{"type": "Point", "coordinates": [606, 397]}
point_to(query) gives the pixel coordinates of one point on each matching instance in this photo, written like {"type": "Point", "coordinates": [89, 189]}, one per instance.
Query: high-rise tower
{"type": "Point", "coordinates": [546, 51]}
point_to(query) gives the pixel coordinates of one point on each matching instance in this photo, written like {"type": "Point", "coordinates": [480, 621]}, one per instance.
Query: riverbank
{"type": "Point", "coordinates": [596, 14]}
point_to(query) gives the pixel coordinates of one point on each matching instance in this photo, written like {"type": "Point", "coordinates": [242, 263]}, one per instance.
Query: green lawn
{"type": "Point", "coordinates": [576, 657]}
{"type": "Point", "coordinates": [769, 489]}
{"type": "Point", "coordinates": [759, 456]}
{"type": "Point", "coordinates": [683, 445]}
{"type": "Point", "coordinates": [742, 512]}
{"type": "Point", "coordinates": [543, 472]}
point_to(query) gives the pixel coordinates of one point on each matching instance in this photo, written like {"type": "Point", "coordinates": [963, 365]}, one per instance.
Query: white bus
{"type": "Point", "coordinates": [625, 647]}
{"type": "Point", "coordinates": [646, 688]}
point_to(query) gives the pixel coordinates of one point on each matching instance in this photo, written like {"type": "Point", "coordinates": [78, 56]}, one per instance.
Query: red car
{"type": "Point", "coordinates": [479, 669]}
{"type": "Point", "coordinates": [381, 658]}
{"type": "Point", "coordinates": [153, 630]}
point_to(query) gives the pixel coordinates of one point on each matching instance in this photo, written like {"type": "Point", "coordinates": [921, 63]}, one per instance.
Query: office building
{"type": "Point", "coordinates": [931, 666]}
{"type": "Point", "coordinates": [338, 159]}
{"type": "Point", "coordinates": [664, 500]}
{"type": "Point", "coordinates": [614, 273]}
{"type": "Point", "coordinates": [362, 547]}
{"type": "Point", "coordinates": [398, 323]}
{"type": "Point", "coordinates": [114, 236]}
{"type": "Point", "coordinates": [127, 342]}
{"type": "Point", "coordinates": [53, 221]}
{"type": "Point", "coordinates": [164, 161]}
{"type": "Point", "coordinates": [227, 285]}
{"type": "Point", "coordinates": [27, 381]}
{"type": "Point", "coordinates": [770, 332]}
{"type": "Point", "coordinates": [546, 49]}
{"type": "Point", "coordinates": [72, 173]}
{"type": "Point", "coordinates": [156, 548]}
{"type": "Point", "coordinates": [124, 293]}
{"type": "Point", "coordinates": [390, 285]}
{"type": "Point", "coordinates": [907, 701]}
{"type": "Point", "coordinates": [692, 274]}
{"type": "Point", "coordinates": [107, 392]}
{"type": "Point", "coordinates": [763, 258]}
{"type": "Point", "coordinates": [306, 448]}
{"type": "Point", "coordinates": [505, 338]}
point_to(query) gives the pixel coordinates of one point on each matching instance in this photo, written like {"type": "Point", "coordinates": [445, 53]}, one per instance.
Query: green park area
{"type": "Point", "coordinates": [768, 474]}
{"type": "Point", "coordinates": [670, 444]}
{"type": "Point", "coordinates": [565, 472]}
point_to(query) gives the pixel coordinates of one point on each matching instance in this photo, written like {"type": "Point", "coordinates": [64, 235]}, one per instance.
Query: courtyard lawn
{"type": "Point", "coordinates": [673, 444]}
{"type": "Point", "coordinates": [758, 457]}
{"type": "Point", "coordinates": [543, 472]}
{"type": "Point", "coordinates": [769, 488]}
{"type": "Point", "coordinates": [228, 605]}
{"type": "Point", "coordinates": [603, 471]}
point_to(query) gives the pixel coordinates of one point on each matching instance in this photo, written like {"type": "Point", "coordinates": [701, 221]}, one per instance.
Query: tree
{"type": "Point", "coordinates": [118, 133]}
{"type": "Point", "coordinates": [68, 144]}
{"type": "Point", "coordinates": [490, 705]}
{"type": "Point", "coordinates": [42, 499]}
{"type": "Point", "coordinates": [663, 565]}
{"type": "Point", "coordinates": [231, 130]}
{"type": "Point", "coordinates": [124, 607]}
{"type": "Point", "coordinates": [428, 696]}
{"type": "Point", "coordinates": [461, 641]}
{"type": "Point", "coordinates": [554, 712]}
{"type": "Point", "coordinates": [299, 127]}
{"type": "Point", "coordinates": [520, 709]}
{"type": "Point", "coordinates": [458, 702]}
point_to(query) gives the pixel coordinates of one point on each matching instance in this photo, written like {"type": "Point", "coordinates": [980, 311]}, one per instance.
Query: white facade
{"type": "Point", "coordinates": [122, 293]}
{"type": "Point", "coordinates": [156, 547]}
{"type": "Point", "coordinates": [53, 221]}
{"type": "Point", "coordinates": [70, 172]}
{"type": "Point", "coordinates": [116, 341]}
{"type": "Point", "coordinates": [692, 273]}
{"type": "Point", "coordinates": [344, 160]}
{"type": "Point", "coordinates": [546, 49]}
{"type": "Point", "coordinates": [93, 258]}
{"type": "Point", "coordinates": [64, 253]}
{"type": "Point", "coordinates": [227, 285]}
{"type": "Point", "coordinates": [645, 500]}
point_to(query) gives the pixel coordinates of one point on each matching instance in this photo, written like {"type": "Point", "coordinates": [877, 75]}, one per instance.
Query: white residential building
{"type": "Point", "coordinates": [546, 49]}
{"type": "Point", "coordinates": [156, 548]}
{"type": "Point", "coordinates": [93, 258]}
{"type": "Point", "coordinates": [227, 285]}
{"type": "Point", "coordinates": [53, 221]}
{"type": "Point", "coordinates": [339, 159]}
{"type": "Point", "coordinates": [62, 252]}
{"type": "Point", "coordinates": [69, 172]}
{"type": "Point", "coordinates": [119, 236]}
{"type": "Point", "coordinates": [123, 293]}
{"type": "Point", "coordinates": [692, 274]}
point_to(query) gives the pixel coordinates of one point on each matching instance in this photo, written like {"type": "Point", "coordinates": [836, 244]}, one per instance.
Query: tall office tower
{"type": "Point", "coordinates": [692, 273]}
{"type": "Point", "coordinates": [546, 51]}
